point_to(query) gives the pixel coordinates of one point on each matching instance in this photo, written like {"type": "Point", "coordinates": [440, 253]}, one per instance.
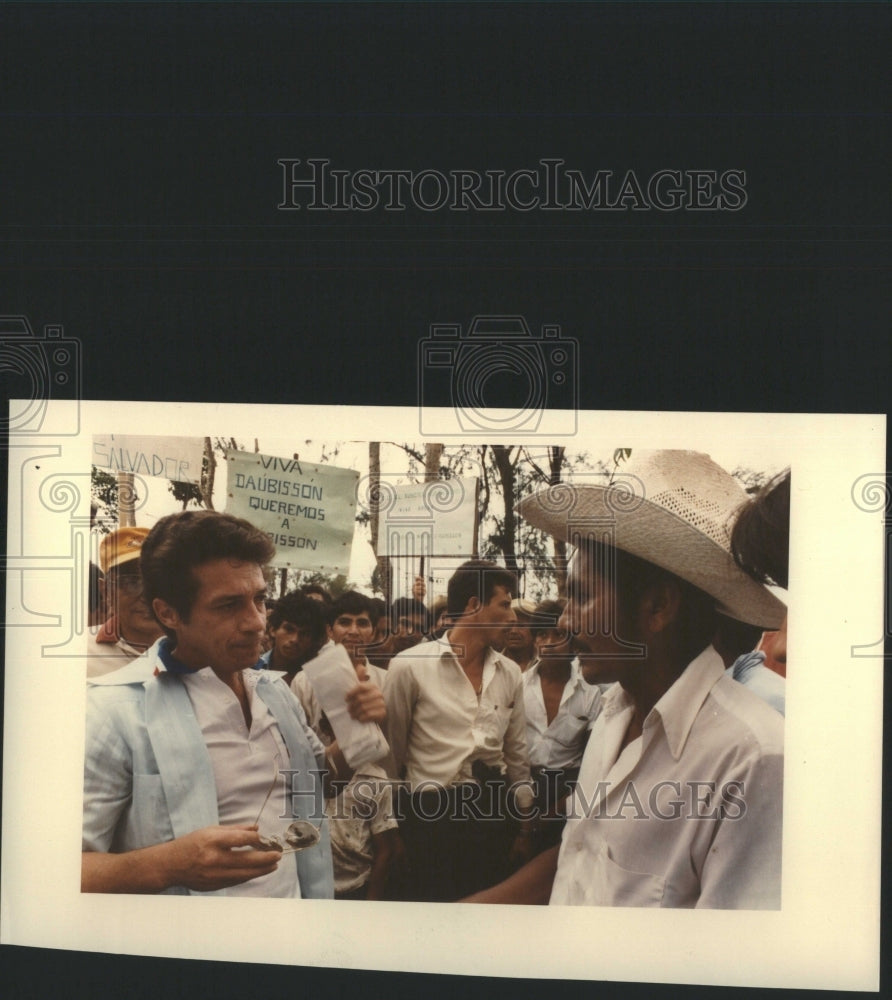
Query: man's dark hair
{"type": "Point", "coordinates": [351, 603]}
{"type": "Point", "coordinates": [379, 608]}
{"type": "Point", "coordinates": [695, 624]}
{"type": "Point", "coordinates": [315, 588]}
{"type": "Point", "coordinates": [181, 542]}
{"type": "Point", "coordinates": [299, 610]}
{"type": "Point", "coordinates": [477, 578]}
{"type": "Point", "coordinates": [760, 538]}
{"type": "Point", "coordinates": [409, 607]}
{"type": "Point", "coordinates": [546, 617]}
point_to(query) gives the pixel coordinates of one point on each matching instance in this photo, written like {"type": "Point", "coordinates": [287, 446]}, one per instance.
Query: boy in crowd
{"type": "Point", "coordinates": [297, 628]}
{"type": "Point", "coordinates": [365, 841]}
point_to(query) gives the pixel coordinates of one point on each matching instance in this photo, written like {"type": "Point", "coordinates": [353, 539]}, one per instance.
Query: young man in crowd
{"type": "Point", "coordinates": [365, 840]}
{"type": "Point", "coordinates": [130, 627]}
{"type": "Point", "coordinates": [297, 628]}
{"type": "Point", "coordinates": [561, 709]}
{"type": "Point", "coordinates": [679, 797]}
{"type": "Point", "coordinates": [456, 725]}
{"type": "Point", "coordinates": [408, 622]}
{"type": "Point", "coordinates": [518, 642]}
{"type": "Point", "coordinates": [351, 625]}
{"type": "Point", "coordinates": [183, 769]}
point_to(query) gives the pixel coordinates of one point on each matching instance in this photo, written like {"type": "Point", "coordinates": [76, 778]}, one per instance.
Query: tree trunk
{"type": "Point", "coordinates": [502, 456]}
{"type": "Point", "coordinates": [432, 455]}
{"type": "Point", "coordinates": [207, 480]}
{"type": "Point", "coordinates": [382, 562]}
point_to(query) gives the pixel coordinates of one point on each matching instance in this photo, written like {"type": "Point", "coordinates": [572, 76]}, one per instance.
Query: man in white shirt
{"type": "Point", "coordinates": [680, 792]}
{"type": "Point", "coordinates": [518, 642]}
{"type": "Point", "coordinates": [364, 837]}
{"type": "Point", "coordinates": [186, 771]}
{"type": "Point", "coordinates": [561, 709]}
{"type": "Point", "coordinates": [456, 725]}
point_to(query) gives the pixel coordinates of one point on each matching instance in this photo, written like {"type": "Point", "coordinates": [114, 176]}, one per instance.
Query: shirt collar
{"type": "Point", "coordinates": [679, 706]}
{"type": "Point", "coordinates": [491, 658]}
{"type": "Point", "coordinates": [574, 680]}
{"type": "Point", "coordinates": [174, 666]}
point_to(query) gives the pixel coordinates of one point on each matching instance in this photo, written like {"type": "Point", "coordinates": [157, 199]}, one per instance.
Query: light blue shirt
{"type": "Point", "coordinates": [148, 776]}
{"type": "Point", "coordinates": [750, 670]}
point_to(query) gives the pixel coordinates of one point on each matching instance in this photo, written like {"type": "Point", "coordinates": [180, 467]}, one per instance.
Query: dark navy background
{"type": "Point", "coordinates": [140, 184]}
{"type": "Point", "coordinates": [138, 193]}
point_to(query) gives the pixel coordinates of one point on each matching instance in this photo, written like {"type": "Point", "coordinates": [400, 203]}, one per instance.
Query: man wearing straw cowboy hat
{"type": "Point", "coordinates": [679, 797]}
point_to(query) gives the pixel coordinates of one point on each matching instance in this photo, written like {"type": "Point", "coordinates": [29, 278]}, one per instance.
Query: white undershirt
{"type": "Point", "coordinates": [245, 762]}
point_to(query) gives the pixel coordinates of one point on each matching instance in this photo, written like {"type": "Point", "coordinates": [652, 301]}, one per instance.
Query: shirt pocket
{"type": "Point", "coordinates": [568, 730]}
{"type": "Point", "coordinates": [614, 885]}
{"type": "Point", "coordinates": [491, 724]}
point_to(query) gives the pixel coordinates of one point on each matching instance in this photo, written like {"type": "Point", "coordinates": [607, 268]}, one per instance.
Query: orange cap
{"type": "Point", "coordinates": [121, 546]}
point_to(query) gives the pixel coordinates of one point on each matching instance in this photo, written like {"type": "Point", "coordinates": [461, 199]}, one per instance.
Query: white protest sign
{"type": "Point", "coordinates": [175, 458]}
{"type": "Point", "coordinates": [428, 519]}
{"type": "Point", "coordinates": [308, 511]}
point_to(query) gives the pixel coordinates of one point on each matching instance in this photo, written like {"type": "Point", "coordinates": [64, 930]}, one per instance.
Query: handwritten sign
{"type": "Point", "coordinates": [308, 511]}
{"type": "Point", "coordinates": [176, 458]}
{"type": "Point", "coordinates": [428, 519]}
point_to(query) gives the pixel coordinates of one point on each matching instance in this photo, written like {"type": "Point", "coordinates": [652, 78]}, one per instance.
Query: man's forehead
{"type": "Point", "coordinates": [230, 574]}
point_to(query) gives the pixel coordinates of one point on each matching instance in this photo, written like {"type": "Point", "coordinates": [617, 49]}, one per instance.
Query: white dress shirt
{"type": "Point", "coordinates": [438, 726]}
{"type": "Point", "coordinates": [689, 813]}
{"type": "Point", "coordinates": [561, 743]}
{"type": "Point", "coordinates": [246, 762]}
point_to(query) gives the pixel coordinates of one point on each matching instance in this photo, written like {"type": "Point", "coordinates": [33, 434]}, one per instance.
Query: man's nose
{"type": "Point", "coordinates": [256, 619]}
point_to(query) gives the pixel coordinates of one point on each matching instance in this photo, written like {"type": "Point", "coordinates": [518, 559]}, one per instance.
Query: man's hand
{"type": "Point", "coordinates": [207, 858]}
{"type": "Point", "coordinates": [365, 703]}
{"type": "Point", "coordinates": [203, 860]}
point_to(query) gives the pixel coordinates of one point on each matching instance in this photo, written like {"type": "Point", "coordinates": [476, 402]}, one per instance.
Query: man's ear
{"type": "Point", "coordinates": [472, 607]}
{"type": "Point", "coordinates": [166, 614]}
{"type": "Point", "coordinates": [660, 604]}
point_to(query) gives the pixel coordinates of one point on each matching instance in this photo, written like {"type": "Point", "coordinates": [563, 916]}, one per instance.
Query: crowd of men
{"type": "Point", "coordinates": [621, 745]}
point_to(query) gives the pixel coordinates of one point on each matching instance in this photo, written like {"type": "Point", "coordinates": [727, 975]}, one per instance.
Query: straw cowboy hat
{"type": "Point", "coordinates": [672, 508]}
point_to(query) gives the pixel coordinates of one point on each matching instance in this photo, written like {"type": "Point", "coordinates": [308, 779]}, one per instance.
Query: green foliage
{"type": "Point", "coordinates": [186, 493]}
{"type": "Point", "coordinates": [103, 500]}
